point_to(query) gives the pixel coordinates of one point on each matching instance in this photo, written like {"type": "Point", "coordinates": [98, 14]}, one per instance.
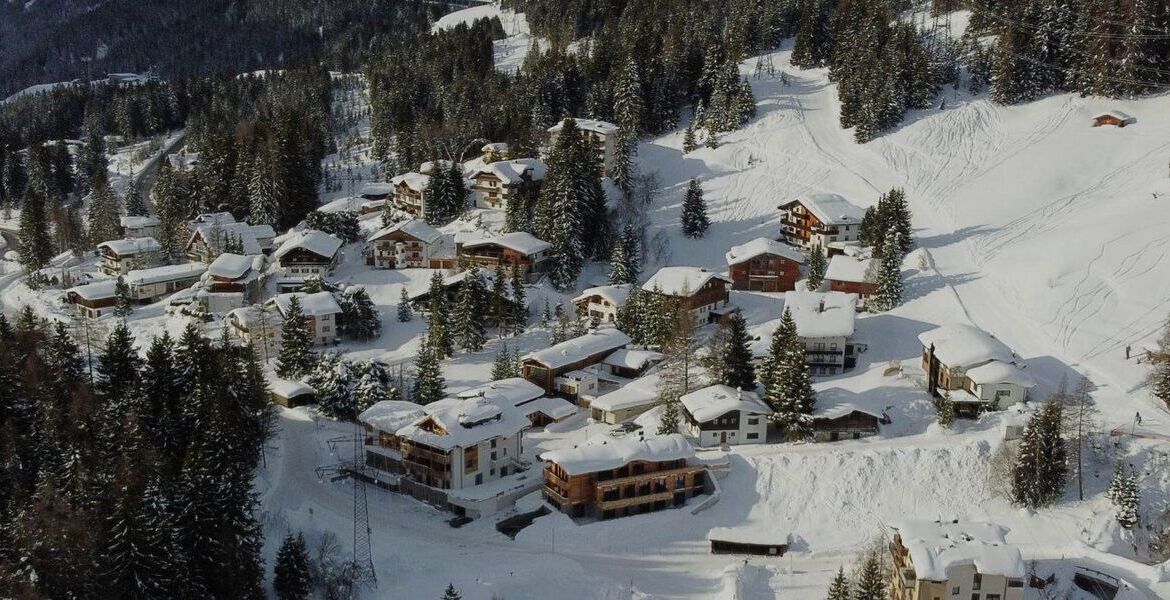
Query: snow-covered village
{"type": "Point", "coordinates": [532, 299]}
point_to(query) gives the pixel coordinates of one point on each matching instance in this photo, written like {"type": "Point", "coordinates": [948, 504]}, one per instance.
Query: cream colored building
{"type": "Point", "coordinates": [948, 560]}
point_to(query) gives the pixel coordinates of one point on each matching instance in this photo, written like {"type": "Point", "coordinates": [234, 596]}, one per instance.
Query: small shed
{"type": "Point", "coordinates": [844, 422]}
{"type": "Point", "coordinates": [1114, 118]}
{"type": "Point", "coordinates": [290, 394]}
{"type": "Point", "coordinates": [755, 540]}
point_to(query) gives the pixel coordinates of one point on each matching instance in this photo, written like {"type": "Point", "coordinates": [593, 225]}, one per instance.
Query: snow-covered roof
{"type": "Point", "coordinates": [717, 400]}
{"type": "Point", "coordinates": [841, 409]}
{"type": "Point", "coordinates": [606, 454]}
{"type": "Point", "coordinates": [131, 246]}
{"type": "Point", "coordinates": [615, 294]}
{"type": "Point", "coordinates": [762, 245]}
{"type": "Point", "coordinates": [965, 346]}
{"type": "Point", "coordinates": [602, 127]}
{"type": "Point", "coordinates": [216, 235]}
{"type": "Point", "coordinates": [514, 391]}
{"type": "Point", "coordinates": [512, 171]}
{"type": "Point", "coordinates": [465, 422]}
{"type": "Point", "coordinates": [643, 391]}
{"type": "Point", "coordinates": [822, 314]}
{"type": "Point", "coordinates": [95, 290]}
{"type": "Point", "coordinates": [677, 281]}
{"type": "Point", "coordinates": [137, 222]}
{"type": "Point", "coordinates": [495, 147]}
{"type": "Point", "coordinates": [759, 536]}
{"type": "Point", "coordinates": [344, 204]}
{"type": "Point", "coordinates": [317, 242]}
{"type": "Point", "coordinates": [519, 241]}
{"type": "Point", "coordinates": [391, 415]}
{"type": "Point", "coordinates": [831, 209]}
{"type": "Point", "coordinates": [417, 182]}
{"type": "Point", "coordinates": [216, 218]}
{"type": "Point", "coordinates": [312, 305]}
{"type": "Point", "coordinates": [1116, 114]}
{"type": "Point", "coordinates": [1000, 372]}
{"type": "Point", "coordinates": [848, 268]}
{"type": "Point", "coordinates": [231, 266]}
{"type": "Point", "coordinates": [416, 228]}
{"type": "Point", "coordinates": [936, 547]}
{"type": "Point", "coordinates": [555, 408]}
{"type": "Point", "coordinates": [632, 359]}
{"type": "Point", "coordinates": [377, 189]}
{"type": "Point", "coordinates": [287, 388]}
{"type": "Point", "coordinates": [165, 273]}
{"type": "Point", "coordinates": [579, 348]}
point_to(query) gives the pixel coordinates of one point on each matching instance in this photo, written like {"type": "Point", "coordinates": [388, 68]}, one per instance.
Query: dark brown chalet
{"type": "Point", "coordinates": [820, 220]}
{"type": "Point", "coordinates": [844, 422]}
{"type": "Point", "coordinates": [519, 251]}
{"type": "Point", "coordinates": [619, 477]}
{"type": "Point", "coordinates": [764, 265]}
{"type": "Point", "coordinates": [410, 244]}
{"type": "Point", "coordinates": [699, 290]}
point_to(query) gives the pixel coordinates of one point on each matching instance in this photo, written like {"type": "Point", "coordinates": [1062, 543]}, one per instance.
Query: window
{"type": "Point", "coordinates": [754, 421]}
{"type": "Point", "coordinates": [325, 329]}
{"type": "Point", "coordinates": [493, 442]}
{"type": "Point", "coordinates": [478, 478]}
{"type": "Point", "coordinates": [977, 582]}
{"type": "Point", "coordinates": [753, 436]}
{"type": "Point", "coordinates": [955, 591]}
{"type": "Point", "coordinates": [493, 455]}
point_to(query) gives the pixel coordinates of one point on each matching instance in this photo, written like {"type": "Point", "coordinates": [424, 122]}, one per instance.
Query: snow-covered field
{"type": "Point", "coordinates": [1031, 224]}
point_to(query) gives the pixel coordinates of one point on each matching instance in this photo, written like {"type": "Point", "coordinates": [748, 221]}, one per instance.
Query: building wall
{"type": "Point", "coordinates": [409, 200]}
{"type": "Point", "coordinates": [765, 273]}
{"type": "Point", "coordinates": [385, 250]}
{"type": "Point", "coordinates": [602, 309]}
{"type": "Point", "coordinates": [802, 228]}
{"type": "Point", "coordinates": [634, 488]}
{"type": "Point", "coordinates": [863, 289]}
{"type": "Point", "coordinates": [1001, 395]}
{"type": "Point", "coordinates": [825, 356]}
{"type": "Point", "coordinates": [737, 428]}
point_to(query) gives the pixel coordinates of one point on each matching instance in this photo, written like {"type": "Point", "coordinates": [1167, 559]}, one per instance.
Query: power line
{"type": "Point", "coordinates": [1163, 35]}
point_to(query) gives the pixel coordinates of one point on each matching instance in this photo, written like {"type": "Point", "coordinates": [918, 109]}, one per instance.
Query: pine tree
{"type": "Point", "coordinates": [738, 371]}
{"type": "Point", "coordinates": [1160, 378]}
{"type": "Point", "coordinates": [469, 312]}
{"type": "Point", "coordinates": [292, 578]}
{"type": "Point", "coordinates": [438, 318]}
{"type": "Point", "coordinates": [816, 268]}
{"type": "Point", "coordinates": [296, 343]}
{"type": "Point", "coordinates": [840, 588]}
{"type": "Point", "coordinates": [871, 578]}
{"type": "Point", "coordinates": [814, 39]}
{"type": "Point", "coordinates": [694, 211]}
{"type": "Point", "coordinates": [519, 317]}
{"type": "Point", "coordinates": [135, 205]}
{"type": "Point", "coordinates": [360, 318]}
{"type": "Point", "coordinates": [122, 306]}
{"type": "Point", "coordinates": [1123, 492]}
{"type": "Point", "coordinates": [871, 227]}
{"type": "Point", "coordinates": [889, 278]}
{"type": "Point", "coordinates": [570, 205]}
{"type": "Point", "coordinates": [499, 309]}
{"type": "Point", "coordinates": [451, 593]}
{"type": "Point", "coordinates": [1041, 469]}
{"type": "Point", "coordinates": [896, 217]}
{"type": "Point", "coordinates": [689, 144]}
{"type": "Point", "coordinates": [670, 418]}
{"type": "Point", "coordinates": [266, 192]}
{"type": "Point", "coordinates": [404, 311]}
{"type": "Point", "coordinates": [946, 412]}
{"type": "Point", "coordinates": [103, 215]}
{"type": "Point", "coordinates": [788, 388]}
{"type": "Point", "coordinates": [429, 385]}
{"type": "Point", "coordinates": [505, 365]}
{"type": "Point", "coordinates": [36, 245]}
{"type": "Point", "coordinates": [332, 382]}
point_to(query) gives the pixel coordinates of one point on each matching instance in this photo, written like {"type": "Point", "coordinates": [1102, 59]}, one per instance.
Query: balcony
{"type": "Point", "coordinates": [636, 500]}
{"type": "Point", "coordinates": [667, 473]}
{"type": "Point", "coordinates": [556, 494]}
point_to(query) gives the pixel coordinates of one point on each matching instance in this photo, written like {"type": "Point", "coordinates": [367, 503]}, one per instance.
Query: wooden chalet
{"type": "Point", "coordinates": [93, 299]}
{"type": "Point", "coordinates": [698, 290]}
{"type": "Point", "coordinates": [1113, 118]}
{"type": "Point", "coordinates": [852, 275]}
{"type": "Point", "coordinates": [748, 540]}
{"type": "Point", "coordinates": [844, 422]}
{"type": "Point", "coordinates": [820, 220]}
{"type": "Point", "coordinates": [498, 183]}
{"type": "Point", "coordinates": [410, 244]}
{"type": "Point", "coordinates": [549, 368]}
{"type": "Point", "coordinates": [619, 477]}
{"type": "Point", "coordinates": [764, 265]}
{"type": "Point", "coordinates": [410, 192]}
{"type": "Point", "coordinates": [121, 256]}
{"type": "Point", "coordinates": [517, 251]}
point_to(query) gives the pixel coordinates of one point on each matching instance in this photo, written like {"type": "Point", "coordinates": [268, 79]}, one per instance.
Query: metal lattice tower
{"type": "Point", "coordinates": [363, 556]}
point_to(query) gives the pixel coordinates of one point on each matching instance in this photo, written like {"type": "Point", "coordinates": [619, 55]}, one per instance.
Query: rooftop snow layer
{"type": "Point", "coordinates": [601, 127]}
{"type": "Point", "coordinates": [1000, 372]}
{"type": "Point", "coordinates": [519, 241]}
{"type": "Point", "coordinates": [317, 242]}
{"type": "Point", "coordinates": [761, 245]}
{"type": "Point", "coordinates": [680, 281]}
{"type": "Point", "coordinates": [134, 222]}
{"type": "Point", "coordinates": [848, 268]}
{"type": "Point", "coordinates": [822, 314]}
{"type": "Point", "coordinates": [391, 415]}
{"type": "Point", "coordinates": [95, 290]}
{"type": "Point", "coordinates": [555, 408]}
{"type": "Point", "coordinates": [287, 388]}
{"type": "Point", "coordinates": [760, 536]}
{"type": "Point", "coordinates": [377, 189]}
{"type": "Point", "coordinates": [231, 266]}
{"type": "Point", "coordinates": [841, 409]}
{"type": "Point", "coordinates": [317, 304]}
{"type": "Point", "coordinates": [643, 391]}
{"type": "Point", "coordinates": [607, 453]}
{"type": "Point", "coordinates": [579, 348]}
{"type": "Point", "coordinates": [936, 547]}
{"type": "Point", "coordinates": [165, 273]}
{"type": "Point", "coordinates": [632, 359]}
{"type": "Point", "coordinates": [615, 294]}
{"type": "Point", "coordinates": [717, 400]}
{"type": "Point", "coordinates": [416, 228]}
{"type": "Point", "coordinates": [131, 246]}
{"type": "Point", "coordinates": [511, 172]}
{"type": "Point", "coordinates": [831, 209]}
{"type": "Point", "coordinates": [465, 421]}
{"type": "Point", "coordinates": [417, 182]}
{"type": "Point", "coordinates": [514, 391]}
{"type": "Point", "coordinates": [965, 346]}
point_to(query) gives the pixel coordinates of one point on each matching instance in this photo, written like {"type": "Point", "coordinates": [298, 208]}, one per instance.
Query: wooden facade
{"type": "Point", "coordinates": [546, 377]}
{"type": "Point", "coordinates": [408, 199]}
{"type": "Point", "coordinates": [863, 289]}
{"type": "Point", "coordinates": [429, 466]}
{"type": "Point", "coordinates": [855, 425]}
{"type": "Point", "coordinates": [765, 273]}
{"type": "Point", "coordinates": [487, 256]}
{"type": "Point", "coordinates": [1110, 119]}
{"type": "Point", "coordinates": [635, 488]}
{"type": "Point", "coordinates": [384, 249]}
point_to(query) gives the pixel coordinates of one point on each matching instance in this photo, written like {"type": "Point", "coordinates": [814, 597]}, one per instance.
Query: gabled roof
{"type": "Point", "coordinates": [606, 454]}
{"type": "Point", "coordinates": [514, 391]}
{"type": "Point", "coordinates": [830, 209]}
{"type": "Point", "coordinates": [391, 415]}
{"type": "Point", "coordinates": [165, 273]}
{"type": "Point", "coordinates": [416, 228]}
{"type": "Point", "coordinates": [674, 281]}
{"type": "Point", "coordinates": [466, 421]}
{"type": "Point", "coordinates": [841, 409]}
{"type": "Point", "coordinates": [761, 245]}
{"type": "Point", "coordinates": [717, 400]}
{"type": "Point", "coordinates": [131, 246]}
{"type": "Point", "coordinates": [602, 127]}
{"type": "Point", "coordinates": [519, 241]}
{"type": "Point", "coordinates": [642, 391]}
{"type": "Point", "coordinates": [215, 218]}
{"type": "Point", "coordinates": [965, 346]}
{"type": "Point", "coordinates": [417, 182]}
{"type": "Point", "coordinates": [512, 171]}
{"type": "Point", "coordinates": [377, 189]}
{"type": "Point", "coordinates": [936, 547]}
{"type": "Point", "coordinates": [217, 235]}
{"type": "Point", "coordinates": [579, 348]}
{"type": "Point", "coordinates": [1116, 114]}
{"type": "Point", "coordinates": [318, 242]}
{"type": "Point", "coordinates": [822, 314]}
{"type": "Point", "coordinates": [1000, 372]}
{"type": "Point", "coordinates": [135, 222]}
{"type": "Point", "coordinates": [615, 294]}
{"type": "Point", "coordinates": [632, 359]}
{"type": "Point", "coordinates": [95, 290]}
{"type": "Point", "coordinates": [848, 268]}
{"type": "Point", "coordinates": [232, 266]}
{"type": "Point", "coordinates": [312, 305]}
